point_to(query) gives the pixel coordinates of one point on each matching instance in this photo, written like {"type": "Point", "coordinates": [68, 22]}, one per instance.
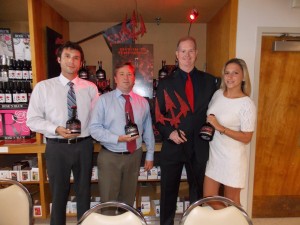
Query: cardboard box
{"type": "Point", "coordinates": [35, 174]}
{"type": "Point", "coordinates": [14, 175]}
{"type": "Point", "coordinates": [37, 210]}
{"type": "Point", "coordinates": [25, 175]}
{"type": "Point", "coordinates": [142, 174]}
{"type": "Point", "coordinates": [152, 174]}
{"type": "Point", "coordinates": [145, 205]}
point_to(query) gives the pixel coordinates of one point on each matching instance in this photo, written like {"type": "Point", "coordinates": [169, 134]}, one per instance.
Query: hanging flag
{"type": "Point", "coordinates": [115, 34]}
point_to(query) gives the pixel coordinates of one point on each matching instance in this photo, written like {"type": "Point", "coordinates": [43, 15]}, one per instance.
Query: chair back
{"type": "Point", "coordinates": [94, 217]}
{"type": "Point", "coordinates": [200, 214]}
{"type": "Point", "coordinates": [15, 203]}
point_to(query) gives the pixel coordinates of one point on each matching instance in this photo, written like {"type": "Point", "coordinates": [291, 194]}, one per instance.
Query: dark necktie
{"type": "Point", "coordinates": [189, 91]}
{"type": "Point", "coordinates": [131, 145]}
{"type": "Point", "coordinates": [71, 99]}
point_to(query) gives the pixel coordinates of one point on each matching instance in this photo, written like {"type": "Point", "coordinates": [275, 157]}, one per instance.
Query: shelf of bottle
{"type": "Point", "coordinates": [14, 106]}
{"type": "Point", "coordinates": [40, 148]}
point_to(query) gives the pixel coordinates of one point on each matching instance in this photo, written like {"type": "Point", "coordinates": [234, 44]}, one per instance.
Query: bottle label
{"type": "Point", "coordinates": [23, 97]}
{"type": "Point", "coordinates": [8, 98]}
{"type": "Point", "coordinates": [19, 74]}
{"type": "Point", "coordinates": [25, 75]}
{"type": "Point", "coordinates": [12, 74]}
{"type": "Point", "coordinates": [132, 131]}
{"type": "Point", "coordinates": [16, 98]}
{"type": "Point", "coordinates": [74, 128]}
{"type": "Point", "coordinates": [2, 98]}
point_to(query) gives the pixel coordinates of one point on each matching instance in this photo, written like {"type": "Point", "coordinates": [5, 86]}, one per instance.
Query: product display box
{"type": "Point", "coordinates": [22, 46]}
{"type": "Point", "coordinates": [13, 125]}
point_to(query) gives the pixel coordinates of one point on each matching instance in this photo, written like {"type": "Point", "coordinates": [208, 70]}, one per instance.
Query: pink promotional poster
{"type": "Point", "coordinates": [13, 124]}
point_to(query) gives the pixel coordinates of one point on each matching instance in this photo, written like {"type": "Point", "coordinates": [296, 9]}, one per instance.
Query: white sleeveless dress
{"type": "Point", "coordinates": [228, 162]}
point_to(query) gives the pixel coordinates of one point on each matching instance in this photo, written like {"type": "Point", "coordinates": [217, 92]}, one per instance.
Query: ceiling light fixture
{"type": "Point", "coordinates": [192, 17]}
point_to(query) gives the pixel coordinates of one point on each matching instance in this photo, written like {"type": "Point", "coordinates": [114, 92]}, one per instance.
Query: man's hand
{"type": "Point", "coordinates": [148, 165]}
{"type": "Point", "coordinates": [65, 133]}
{"type": "Point", "coordinates": [127, 138]}
{"type": "Point", "coordinates": [178, 136]}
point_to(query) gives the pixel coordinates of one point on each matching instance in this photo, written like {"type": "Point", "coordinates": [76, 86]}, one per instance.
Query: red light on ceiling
{"type": "Point", "coordinates": [193, 15]}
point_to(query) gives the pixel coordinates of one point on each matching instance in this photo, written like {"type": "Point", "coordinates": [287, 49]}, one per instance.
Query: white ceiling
{"type": "Point", "coordinates": [170, 11]}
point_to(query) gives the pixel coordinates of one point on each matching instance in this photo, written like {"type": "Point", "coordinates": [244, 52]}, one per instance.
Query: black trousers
{"type": "Point", "coordinates": [61, 159]}
{"type": "Point", "coordinates": [171, 170]}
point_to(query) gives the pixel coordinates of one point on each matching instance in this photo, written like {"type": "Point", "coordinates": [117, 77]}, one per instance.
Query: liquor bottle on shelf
{"type": "Point", "coordinates": [163, 72]}
{"type": "Point", "coordinates": [23, 93]}
{"type": "Point", "coordinates": [73, 124]}
{"type": "Point", "coordinates": [2, 93]}
{"type": "Point", "coordinates": [83, 73]}
{"type": "Point", "coordinates": [28, 90]}
{"type": "Point", "coordinates": [8, 92]}
{"type": "Point", "coordinates": [130, 127]}
{"type": "Point", "coordinates": [155, 83]}
{"type": "Point", "coordinates": [3, 68]}
{"type": "Point", "coordinates": [207, 131]}
{"type": "Point", "coordinates": [25, 74]}
{"type": "Point", "coordinates": [15, 92]}
{"type": "Point", "coordinates": [19, 72]}
{"type": "Point", "coordinates": [100, 73]}
{"type": "Point", "coordinates": [176, 65]}
{"type": "Point", "coordinates": [29, 70]}
{"type": "Point", "coordinates": [107, 88]}
{"type": "Point", "coordinates": [11, 69]}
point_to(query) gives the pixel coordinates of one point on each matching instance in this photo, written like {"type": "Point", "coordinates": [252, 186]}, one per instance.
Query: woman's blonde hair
{"type": "Point", "coordinates": [246, 85]}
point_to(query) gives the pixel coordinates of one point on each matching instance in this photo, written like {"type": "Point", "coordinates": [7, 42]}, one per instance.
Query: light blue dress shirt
{"type": "Point", "coordinates": [108, 122]}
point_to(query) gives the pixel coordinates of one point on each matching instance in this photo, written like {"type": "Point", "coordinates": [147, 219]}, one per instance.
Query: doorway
{"type": "Point", "coordinates": [276, 190]}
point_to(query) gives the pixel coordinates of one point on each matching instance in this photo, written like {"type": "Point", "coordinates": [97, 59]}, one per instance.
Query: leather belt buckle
{"type": "Point", "coordinates": [72, 140]}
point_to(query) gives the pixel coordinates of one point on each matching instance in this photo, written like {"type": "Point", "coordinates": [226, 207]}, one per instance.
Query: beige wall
{"type": "Point", "coordinates": [16, 27]}
{"type": "Point", "coordinates": [163, 37]}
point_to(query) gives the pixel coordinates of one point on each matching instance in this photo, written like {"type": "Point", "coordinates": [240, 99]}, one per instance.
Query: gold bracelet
{"type": "Point", "coordinates": [223, 132]}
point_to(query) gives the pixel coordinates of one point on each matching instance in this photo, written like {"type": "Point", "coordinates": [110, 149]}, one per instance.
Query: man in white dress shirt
{"type": "Point", "coordinates": [65, 152]}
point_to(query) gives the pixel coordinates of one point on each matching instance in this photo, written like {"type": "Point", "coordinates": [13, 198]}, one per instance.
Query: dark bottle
{"type": "Point", "coordinates": [73, 124]}
{"type": "Point", "coordinates": [155, 82]}
{"type": "Point", "coordinates": [19, 72]}
{"type": "Point", "coordinates": [83, 73]}
{"type": "Point", "coordinates": [23, 93]}
{"type": "Point", "coordinates": [107, 88]}
{"type": "Point", "coordinates": [4, 68]}
{"type": "Point", "coordinates": [25, 74]}
{"type": "Point", "coordinates": [2, 93]}
{"type": "Point", "coordinates": [100, 73]}
{"type": "Point", "coordinates": [207, 131]}
{"type": "Point", "coordinates": [11, 69]}
{"type": "Point", "coordinates": [15, 92]}
{"type": "Point", "coordinates": [8, 92]}
{"type": "Point", "coordinates": [28, 90]}
{"type": "Point", "coordinates": [130, 127]}
{"type": "Point", "coordinates": [29, 67]}
{"type": "Point", "coordinates": [176, 66]}
{"type": "Point", "coordinates": [163, 72]}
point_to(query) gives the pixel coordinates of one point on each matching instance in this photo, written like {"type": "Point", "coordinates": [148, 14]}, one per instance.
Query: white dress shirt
{"type": "Point", "coordinates": [48, 105]}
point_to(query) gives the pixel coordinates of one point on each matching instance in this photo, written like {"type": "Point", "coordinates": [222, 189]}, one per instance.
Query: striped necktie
{"type": "Point", "coordinates": [71, 99]}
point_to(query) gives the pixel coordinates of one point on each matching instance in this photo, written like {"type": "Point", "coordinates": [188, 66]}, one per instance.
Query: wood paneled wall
{"type": "Point", "coordinates": [221, 37]}
{"type": "Point", "coordinates": [40, 16]}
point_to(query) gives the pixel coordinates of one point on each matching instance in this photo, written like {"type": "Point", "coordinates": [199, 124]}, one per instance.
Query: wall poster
{"type": "Point", "coordinates": [141, 56]}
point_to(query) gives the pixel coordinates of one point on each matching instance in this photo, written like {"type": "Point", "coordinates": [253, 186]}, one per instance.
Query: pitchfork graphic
{"type": "Point", "coordinates": [175, 119]}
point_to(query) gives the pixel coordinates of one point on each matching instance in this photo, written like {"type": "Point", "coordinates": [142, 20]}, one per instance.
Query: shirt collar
{"type": "Point", "coordinates": [65, 81]}
{"type": "Point", "coordinates": [119, 93]}
{"type": "Point", "coordinates": [184, 74]}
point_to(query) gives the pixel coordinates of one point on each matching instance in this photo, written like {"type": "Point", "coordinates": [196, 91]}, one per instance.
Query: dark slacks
{"type": "Point", "coordinates": [171, 170]}
{"type": "Point", "coordinates": [61, 159]}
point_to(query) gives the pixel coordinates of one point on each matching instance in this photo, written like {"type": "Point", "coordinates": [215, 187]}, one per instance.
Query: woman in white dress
{"type": "Point", "coordinates": [233, 114]}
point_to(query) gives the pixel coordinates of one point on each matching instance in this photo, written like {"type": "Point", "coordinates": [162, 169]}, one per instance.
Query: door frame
{"type": "Point", "coordinates": [261, 31]}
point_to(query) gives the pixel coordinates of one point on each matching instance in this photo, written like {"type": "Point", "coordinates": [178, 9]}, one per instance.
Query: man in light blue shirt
{"type": "Point", "coordinates": [118, 168]}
